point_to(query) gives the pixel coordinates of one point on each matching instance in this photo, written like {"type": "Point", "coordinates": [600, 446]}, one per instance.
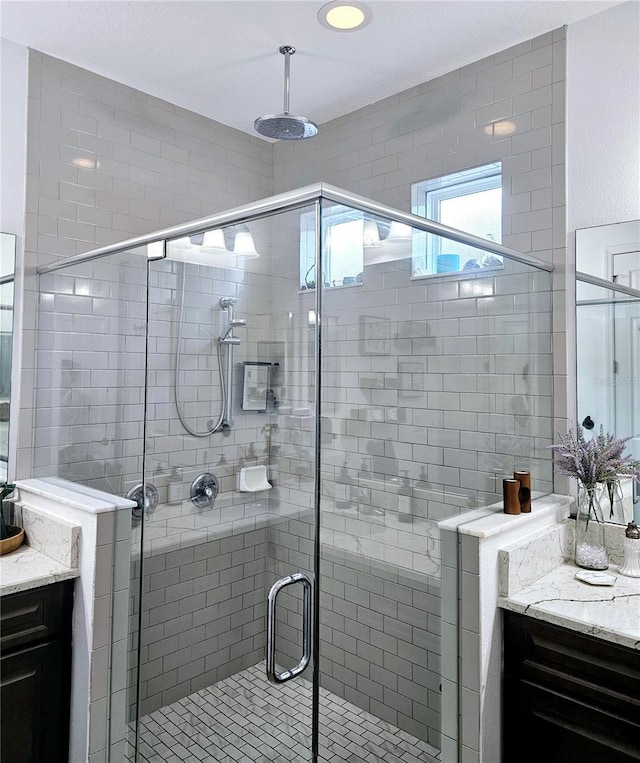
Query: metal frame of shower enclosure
{"type": "Point", "coordinates": [617, 288]}
{"type": "Point", "coordinates": [317, 192]}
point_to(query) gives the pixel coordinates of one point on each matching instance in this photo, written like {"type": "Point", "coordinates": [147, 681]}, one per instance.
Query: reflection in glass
{"type": "Point", "coordinates": [608, 369]}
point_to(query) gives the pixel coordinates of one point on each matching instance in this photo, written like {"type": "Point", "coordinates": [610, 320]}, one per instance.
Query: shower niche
{"type": "Point", "coordinates": [375, 408]}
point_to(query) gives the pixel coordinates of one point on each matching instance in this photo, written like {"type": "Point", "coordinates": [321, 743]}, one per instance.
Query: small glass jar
{"type": "Point", "coordinates": [590, 549]}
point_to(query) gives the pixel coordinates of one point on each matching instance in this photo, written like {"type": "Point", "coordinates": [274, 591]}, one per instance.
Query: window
{"type": "Point", "coordinates": [470, 201]}
{"type": "Point", "coordinates": [343, 235]}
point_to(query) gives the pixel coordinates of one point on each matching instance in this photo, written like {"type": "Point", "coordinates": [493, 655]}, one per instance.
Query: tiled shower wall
{"type": "Point", "coordinates": [456, 122]}
{"type": "Point", "coordinates": [91, 373]}
{"type": "Point", "coordinates": [90, 380]}
{"type": "Point", "coordinates": [204, 609]}
{"type": "Point", "coordinates": [436, 389]}
{"type": "Point", "coordinates": [107, 162]}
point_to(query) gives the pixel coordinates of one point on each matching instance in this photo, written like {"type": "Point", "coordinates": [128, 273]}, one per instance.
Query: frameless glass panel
{"type": "Point", "coordinates": [89, 426]}
{"type": "Point", "coordinates": [380, 659]}
{"type": "Point", "coordinates": [90, 372]}
{"type": "Point", "coordinates": [433, 389]}
{"type": "Point", "coordinates": [235, 490]}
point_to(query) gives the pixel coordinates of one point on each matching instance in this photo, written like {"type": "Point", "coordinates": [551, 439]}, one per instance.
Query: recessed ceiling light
{"type": "Point", "coordinates": [344, 15]}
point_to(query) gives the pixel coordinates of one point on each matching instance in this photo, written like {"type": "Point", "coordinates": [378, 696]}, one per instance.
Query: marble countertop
{"type": "Point", "coordinates": [50, 553]}
{"type": "Point", "coordinates": [76, 496]}
{"type": "Point", "coordinates": [608, 612]}
{"type": "Point", "coordinates": [27, 568]}
{"type": "Point", "coordinates": [491, 521]}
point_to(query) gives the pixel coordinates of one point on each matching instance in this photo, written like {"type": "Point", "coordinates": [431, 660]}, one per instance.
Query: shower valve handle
{"type": "Point", "coordinates": [204, 490]}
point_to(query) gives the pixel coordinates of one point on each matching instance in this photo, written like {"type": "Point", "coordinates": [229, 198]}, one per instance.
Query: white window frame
{"type": "Point", "coordinates": [428, 195]}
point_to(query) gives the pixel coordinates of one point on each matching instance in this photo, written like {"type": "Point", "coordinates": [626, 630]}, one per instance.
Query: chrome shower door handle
{"type": "Point", "coordinates": [287, 675]}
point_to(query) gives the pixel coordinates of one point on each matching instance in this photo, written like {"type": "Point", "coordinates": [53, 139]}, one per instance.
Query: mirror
{"type": "Point", "coordinates": [608, 339]}
{"type": "Point", "coordinates": [7, 267]}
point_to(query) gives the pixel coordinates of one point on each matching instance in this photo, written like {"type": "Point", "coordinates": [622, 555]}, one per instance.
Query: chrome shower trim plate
{"type": "Point", "coordinates": [204, 490]}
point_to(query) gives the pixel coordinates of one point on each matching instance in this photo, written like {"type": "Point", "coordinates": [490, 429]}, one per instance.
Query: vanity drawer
{"type": "Point", "coordinates": [562, 729]}
{"type": "Point", "coordinates": [33, 693]}
{"type": "Point", "coordinates": [573, 697]}
{"type": "Point", "coordinates": [34, 615]}
{"type": "Point", "coordinates": [35, 674]}
{"type": "Point", "coordinates": [606, 674]}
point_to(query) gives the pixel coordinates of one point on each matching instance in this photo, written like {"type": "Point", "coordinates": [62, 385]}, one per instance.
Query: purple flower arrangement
{"type": "Point", "coordinates": [599, 459]}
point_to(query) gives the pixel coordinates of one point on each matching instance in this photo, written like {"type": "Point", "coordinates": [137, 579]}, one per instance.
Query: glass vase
{"type": "Point", "coordinates": [590, 550]}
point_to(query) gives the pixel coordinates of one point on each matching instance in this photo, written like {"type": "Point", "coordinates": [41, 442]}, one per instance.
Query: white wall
{"type": "Point", "coordinates": [603, 120]}
{"type": "Point", "coordinates": [13, 161]}
{"type": "Point", "coordinates": [13, 136]}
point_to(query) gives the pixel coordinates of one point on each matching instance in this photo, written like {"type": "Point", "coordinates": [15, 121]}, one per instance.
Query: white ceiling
{"type": "Point", "coordinates": [220, 58]}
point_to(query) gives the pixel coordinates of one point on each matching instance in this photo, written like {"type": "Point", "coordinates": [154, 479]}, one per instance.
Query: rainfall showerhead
{"type": "Point", "coordinates": [285, 126]}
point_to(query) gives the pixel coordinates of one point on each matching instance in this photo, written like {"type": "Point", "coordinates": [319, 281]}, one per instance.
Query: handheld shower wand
{"type": "Point", "coordinates": [227, 338]}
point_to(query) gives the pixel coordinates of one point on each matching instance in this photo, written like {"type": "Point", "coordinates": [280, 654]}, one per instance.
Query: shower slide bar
{"type": "Point", "coordinates": [292, 200]}
{"type": "Point", "coordinates": [287, 675]}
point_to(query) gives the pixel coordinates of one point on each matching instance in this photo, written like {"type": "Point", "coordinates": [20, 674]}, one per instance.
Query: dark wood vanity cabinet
{"type": "Point", "coordinates": [35, 667]}
{"type": "Point", "coordinates": [567, 697]}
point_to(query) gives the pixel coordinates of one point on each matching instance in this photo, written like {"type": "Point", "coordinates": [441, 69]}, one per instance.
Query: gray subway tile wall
{"type": "Point", "coordinates": [455, 122]}
{"type": "Point", "coordinates": [107, 162]}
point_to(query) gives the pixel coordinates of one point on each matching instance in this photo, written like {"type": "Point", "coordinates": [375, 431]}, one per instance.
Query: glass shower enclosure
{"type": "Point", "coordinates": [294, 404]}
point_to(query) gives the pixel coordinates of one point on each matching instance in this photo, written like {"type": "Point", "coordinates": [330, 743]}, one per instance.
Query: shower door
{"type": "Point", "coordinates": [227, 572]}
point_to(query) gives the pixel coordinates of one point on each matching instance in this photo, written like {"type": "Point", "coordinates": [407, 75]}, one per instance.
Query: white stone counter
{"type": "Point", "coordinates": [49, 553]}
{"type": "Point", "coordinates": [27, 568]}
{"type": "Point", "coordinates": [611, 613]}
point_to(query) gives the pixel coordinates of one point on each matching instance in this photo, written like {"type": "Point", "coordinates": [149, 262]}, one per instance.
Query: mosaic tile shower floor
{"type": "Point", "coordinates": [245, 719]}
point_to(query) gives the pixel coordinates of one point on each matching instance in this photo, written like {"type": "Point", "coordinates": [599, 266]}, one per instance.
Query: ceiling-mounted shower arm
{"type": "Point", "coordinates": [287, 51]}
{"type": "Point", "coordinates": [286, 126]}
